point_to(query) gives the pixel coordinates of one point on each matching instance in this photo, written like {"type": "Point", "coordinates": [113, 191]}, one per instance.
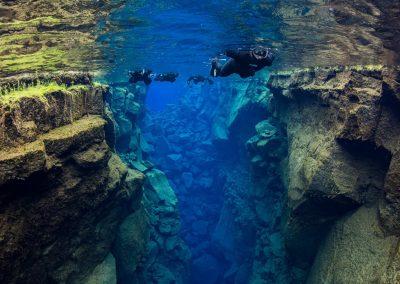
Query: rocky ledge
{"type": "Point", "coordinates": [342, 172]}
{"type": "Point", "coordinates": [63, 192]}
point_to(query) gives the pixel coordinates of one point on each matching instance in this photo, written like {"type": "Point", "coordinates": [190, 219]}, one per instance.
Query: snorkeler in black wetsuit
{"type": "Point", "coordinates": [166, 77]}
{"type": "Point", "coordinates": [245, 63]}
{"type": "Point", "coordinates": [199, 79]}
{"type": "Point", "coordinates": [147, 76]}
{"type": "Point", "coordinates": [140, 76]}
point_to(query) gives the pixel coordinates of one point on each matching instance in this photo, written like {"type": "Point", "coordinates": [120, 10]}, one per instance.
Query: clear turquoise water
{"type": "Point", "coordinates": [184, 35]}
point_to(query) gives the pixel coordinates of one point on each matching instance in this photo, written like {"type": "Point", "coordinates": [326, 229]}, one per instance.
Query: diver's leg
{"type": "Point", "coordinates": [215, 68]}
{"type": "Point", "coordinates": [147, 80]}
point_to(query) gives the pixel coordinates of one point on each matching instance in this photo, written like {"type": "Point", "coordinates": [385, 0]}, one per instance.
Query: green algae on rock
{"type": "Point", "coordinates": [30, 111]}
{"type": "Point", "coordinates": [60, 183]}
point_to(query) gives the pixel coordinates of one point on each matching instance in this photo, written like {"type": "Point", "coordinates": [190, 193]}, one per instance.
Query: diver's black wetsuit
{"type": "Point", "coordinates": [137, 76]}
{"type": "Point", "coordinates": [243, 62]}
{"type": "Point", "coordinates": [146, 76]}
{"type": "Point", "coordinates": [199, 79]}
{"type": "Point", "coordinates": [166, 77]}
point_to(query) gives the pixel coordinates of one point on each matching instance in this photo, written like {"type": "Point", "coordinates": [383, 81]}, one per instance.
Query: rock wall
{"type": "Point", "coordinates": [166, 258]}
{"type": "Point", "coordinates": [63, 191]}
{"type": "Point", "coordinates": [342, 173]}
{"type": "Point", "coordinates": [254, 192]}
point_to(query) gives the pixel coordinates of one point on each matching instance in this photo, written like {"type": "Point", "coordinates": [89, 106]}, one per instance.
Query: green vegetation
{"type": "Point", "coordinates": [20, 25]}
{"type": "Point", "coordinates": [49, 57]}
{"type": "Point", "coordinates": [21, 53]}
{"type": "Point", "coordinates": [37, 91]}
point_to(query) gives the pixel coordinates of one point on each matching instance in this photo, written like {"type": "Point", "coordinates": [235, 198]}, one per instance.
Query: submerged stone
{"type": "Point", "coordinates": [169, 226]}
{"type": "Point", "coordinates": [175, 157]}
{"type": "Point", "coordinates": [130, 245]}
{"type": "Point", "coordinates": [104, 273]}
{"type": "Point", "coordinates": [265, 129]}
{"type": "Point", "coordinates": [161, 188]}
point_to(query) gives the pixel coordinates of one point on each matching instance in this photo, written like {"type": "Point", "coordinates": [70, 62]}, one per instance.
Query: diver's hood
{"type": "Point", "coordinates": [265, 55]}
{"type": "Point", "coordinates": [261, 52]}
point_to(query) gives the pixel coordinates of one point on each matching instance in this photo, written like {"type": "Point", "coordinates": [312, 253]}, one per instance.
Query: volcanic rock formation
{"type": "Point", "coordinates": [64, 192]}
{"type": "Point", "coordinates": [167, 256]}
{"type": "Point", "coordinates": [342, 171]}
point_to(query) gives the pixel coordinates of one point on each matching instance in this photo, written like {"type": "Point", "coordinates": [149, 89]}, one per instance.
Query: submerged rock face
{"type": "Point", "coordinates": [63, 192]}
{"type": "Point", "coordinates": [342, 173]}
{"type": "Point", "coordinates": [249, 232]}
{"type": "Point", "coordinates": [148, 243]}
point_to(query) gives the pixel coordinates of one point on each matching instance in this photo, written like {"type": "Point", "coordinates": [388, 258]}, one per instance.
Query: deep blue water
{"type": "Point", "coordinates": [159, 95]}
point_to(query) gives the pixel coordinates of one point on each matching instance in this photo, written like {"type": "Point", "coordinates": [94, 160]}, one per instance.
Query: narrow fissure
{"type": "Point", "coordinates": [221, 153]}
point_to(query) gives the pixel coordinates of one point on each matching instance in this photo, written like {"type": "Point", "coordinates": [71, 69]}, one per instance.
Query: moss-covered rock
{"type": "Point", "coordinates": [63, 192]}
{"type": "Point", "coordinates": [29, 111]}
{"type": "Point", "coordinates": [20, 163]}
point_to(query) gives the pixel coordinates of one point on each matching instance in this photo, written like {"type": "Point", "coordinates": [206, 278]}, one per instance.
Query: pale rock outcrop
{"type": "Point", "coordinates": [343, 140]}
{"type": "Point", "coordinates": [357, 250]}
{"type": "Point", "coordinates": [104, 273]}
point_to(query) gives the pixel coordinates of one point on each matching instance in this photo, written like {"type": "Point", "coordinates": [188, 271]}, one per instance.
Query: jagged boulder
{"type": "Point", "coordinates": [161, 191]}
{"type": "Point", "coordinates": [246, 106]}
{"type": "Point", "coordinates": [168, 256]}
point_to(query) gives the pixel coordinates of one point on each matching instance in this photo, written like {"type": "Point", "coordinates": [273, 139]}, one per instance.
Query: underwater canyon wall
{"type": "Point", "coordinates": [166, 258]}
{"type": "Point", "coordinates": [71, 210]}
{"type": "Point", "coordinates": [342, 173]}
{"type": "Point", "coordinates": [309, 172]}
{"type": "Point", "coordinates": [64, 192]}
{"type": "Point", "coordinates": [315, 150]}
